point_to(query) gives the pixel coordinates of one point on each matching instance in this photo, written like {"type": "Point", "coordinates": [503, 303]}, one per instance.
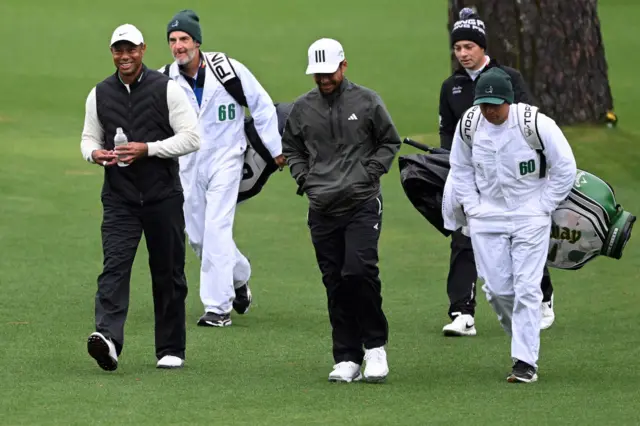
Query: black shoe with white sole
{"type": "Point", "coordinates": [103, 351]}
{"type": "Point", "coordinates": [242, 302]}
{"type": "Point", "coordinates": [522, 373]}
{"type": "Point", "coordinates": [211, 319]}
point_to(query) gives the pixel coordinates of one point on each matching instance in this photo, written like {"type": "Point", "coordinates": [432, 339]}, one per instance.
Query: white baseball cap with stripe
{"type": "Point", "coordinates": [325, 56]}
{"type": "Point", "coordinates": [127, 32]}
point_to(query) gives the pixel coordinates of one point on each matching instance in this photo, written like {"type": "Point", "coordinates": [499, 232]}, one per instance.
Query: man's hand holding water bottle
{"type": "Point", "coordinates": [126, 152]}
{"type": "Point", "coordinates": [130, 152]}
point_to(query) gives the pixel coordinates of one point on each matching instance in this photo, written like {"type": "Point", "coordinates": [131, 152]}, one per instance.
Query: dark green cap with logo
{"type": "Point", "coordinates": [494, 87]}
{"type": "Point", "coordinates": [188, 21]}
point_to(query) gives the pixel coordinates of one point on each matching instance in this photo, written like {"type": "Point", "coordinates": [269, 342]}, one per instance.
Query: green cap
{"type": "Point", "coordinates": [188, 21]}
{"type": "Point", "coordinates": [494, 87]}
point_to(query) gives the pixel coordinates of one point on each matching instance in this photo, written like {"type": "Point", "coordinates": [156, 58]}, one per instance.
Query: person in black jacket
{"type": "Point", "coordinates": [141, 193]}
{"type": "Point", "coordinates": [468, 40]}
{"type": "Point", "coordinates": [338, 141]}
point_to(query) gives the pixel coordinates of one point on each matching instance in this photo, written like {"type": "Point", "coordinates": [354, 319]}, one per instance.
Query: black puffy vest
{"type": "Point", "coordinates": [144, 117]}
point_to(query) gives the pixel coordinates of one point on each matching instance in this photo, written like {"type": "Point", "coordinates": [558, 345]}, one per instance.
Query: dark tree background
{"type": "Point", "coordinates": [557, 46]}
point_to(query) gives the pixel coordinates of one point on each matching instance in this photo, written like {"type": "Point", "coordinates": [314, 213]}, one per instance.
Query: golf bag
{"type": "Point", "coordinates": [258, 162]}
{"type": "Point", "coordinates": [587, 224]}
{"type": "Point", "coordinates": [423, 178]}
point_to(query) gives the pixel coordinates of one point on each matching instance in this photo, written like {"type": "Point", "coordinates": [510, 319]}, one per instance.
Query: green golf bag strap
{"type": "Point", "coordinates": [527, 121]}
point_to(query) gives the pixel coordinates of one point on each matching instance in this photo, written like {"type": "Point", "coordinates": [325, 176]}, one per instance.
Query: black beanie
{"type": "Point", "coordinates": [187, 21]}
{"type": "Point", "coordinates": [469, 27]}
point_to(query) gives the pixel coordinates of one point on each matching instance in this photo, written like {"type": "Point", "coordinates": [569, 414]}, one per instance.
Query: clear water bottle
{"type": "Point", "coordinates": [120, 139]}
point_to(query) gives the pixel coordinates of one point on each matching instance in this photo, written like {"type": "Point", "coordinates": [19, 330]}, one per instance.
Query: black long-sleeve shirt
{"type": "Point", "coordinates": [457, 93]}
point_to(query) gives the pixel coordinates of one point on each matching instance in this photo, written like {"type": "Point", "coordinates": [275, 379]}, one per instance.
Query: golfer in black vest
{"type": "Point", "coordinates": [141, 194]}
{"type": "Point", "coordinates": [468, 40]}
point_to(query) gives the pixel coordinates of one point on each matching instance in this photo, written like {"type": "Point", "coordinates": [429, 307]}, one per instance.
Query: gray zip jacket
{"type": "Point", "coordinates": [338, 146]}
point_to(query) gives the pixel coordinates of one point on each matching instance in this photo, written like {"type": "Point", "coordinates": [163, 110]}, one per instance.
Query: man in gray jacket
{"type": "Point", "coordinates": [339, 140]}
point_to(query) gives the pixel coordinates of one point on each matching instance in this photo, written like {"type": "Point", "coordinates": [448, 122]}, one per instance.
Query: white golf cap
{"type": "Point", "coordinates": [325, 56]}
{"type": "Point", "coordinates": [127, 32]}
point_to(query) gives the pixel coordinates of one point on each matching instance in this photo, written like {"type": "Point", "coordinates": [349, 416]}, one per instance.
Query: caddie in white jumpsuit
{"type": "Point", "coordinates": [211, 177]}
{"type": "Point", "coordinates": [508, 205]}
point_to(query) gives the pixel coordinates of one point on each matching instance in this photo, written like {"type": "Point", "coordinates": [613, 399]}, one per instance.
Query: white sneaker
{"type": "Point", "coordinates": [170, 361]}
{"type": "Point", "coordinates": [376, 369]}
{"type": "Point", "coordinates": [103, 351]}
{"type": "Point", "coordinates": [462, 325]}
{"type": "Point", "coordinates": [346, 371]}
{"type": "Point", "coordinates": [548, 316]}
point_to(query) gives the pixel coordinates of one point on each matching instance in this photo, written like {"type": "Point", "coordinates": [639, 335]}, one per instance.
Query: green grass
{"type": "Point", "coordinates": [271, 366]}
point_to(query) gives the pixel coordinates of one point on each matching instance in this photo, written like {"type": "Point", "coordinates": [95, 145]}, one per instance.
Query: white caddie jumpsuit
{"type": "Point", "coordinates": [211, 179]}
{"type": "Point", "coordinates": [508, 209]}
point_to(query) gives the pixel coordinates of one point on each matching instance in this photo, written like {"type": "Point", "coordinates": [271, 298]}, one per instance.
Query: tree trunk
{"type": "Point", "coordinates": [557, 46]}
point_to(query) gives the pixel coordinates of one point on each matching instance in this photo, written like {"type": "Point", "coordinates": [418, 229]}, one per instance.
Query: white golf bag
{"type": "Point", "coordinates": [588, 223]}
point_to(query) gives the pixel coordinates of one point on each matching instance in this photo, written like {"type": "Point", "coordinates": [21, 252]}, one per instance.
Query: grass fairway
{"type": "Point", "coordinates": [271, 366]}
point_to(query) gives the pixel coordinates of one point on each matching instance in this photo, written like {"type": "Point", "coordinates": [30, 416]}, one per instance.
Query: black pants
{"type": "Point", "coordinates": [346, 248]}
{"type": "Point", "coordinates": [461, 283]}
{"type": "Point", "coordinates": [163, 227]}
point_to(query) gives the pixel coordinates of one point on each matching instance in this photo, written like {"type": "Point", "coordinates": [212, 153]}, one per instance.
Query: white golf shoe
{"type": "Point", "coordinates": [462, 325]}
{"type": "Point", "coordinates": [103, 351]}
{"type": "Point", "coordinates": [346, 371]}
{"type": "Point", "coordinates": [377, 369]}
{"type": "Point", "coordinates": [548, 316]}
{"type": "Point", "coordinates": [170, 361]}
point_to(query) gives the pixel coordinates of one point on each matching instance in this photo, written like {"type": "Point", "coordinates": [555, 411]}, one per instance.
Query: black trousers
{"type": "Point", "coordinates": [163, 227]}
{"type": "Point", "coordinates": [461, 282]}
{"type": "Point", "coordinates": [346, 248]}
